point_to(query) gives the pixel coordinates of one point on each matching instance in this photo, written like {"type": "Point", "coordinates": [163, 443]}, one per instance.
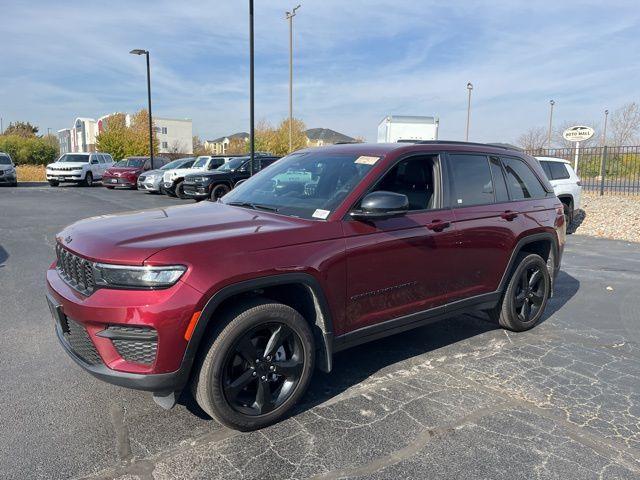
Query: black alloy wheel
{"type": "Point", "coordinates": [530, 293]}
{"type": "Point", "coordinates": [219, 191]}
{"type": "Point", "coordinates": [263, 369]}
{"type": "Point", "coordinates": [88, 180]}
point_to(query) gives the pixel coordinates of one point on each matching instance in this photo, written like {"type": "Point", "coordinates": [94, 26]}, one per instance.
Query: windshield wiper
{"type": "Point", "coordinates": [254, 206]}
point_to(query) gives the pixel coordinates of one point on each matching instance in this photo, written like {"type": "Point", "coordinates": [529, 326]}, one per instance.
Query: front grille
{"type": "Point", "coordinates": [75, 271]}
{"type": "Point", "coordinates": [138, 350]}
{"type": "Point", "coordinates": [79, 341]}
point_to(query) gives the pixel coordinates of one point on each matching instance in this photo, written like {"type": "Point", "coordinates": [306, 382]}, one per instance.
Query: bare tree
{"type": "Point", "coordinates": [533, 140]}
{"type": "Point", "coordinates": [177, 146]}
{"type": "Point", "coordinates": [625, 122]}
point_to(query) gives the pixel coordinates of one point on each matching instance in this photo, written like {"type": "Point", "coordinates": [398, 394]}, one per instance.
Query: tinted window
{"type": "Point", "coordinates": [265, 162]}
{"type": "Point", "coordinates": [499, 182]}
{"type": "Point", "coordinates": [558, 171]}
{"type": "Point", "coordinates": [74, 157]}
{"type": "Point", "coordinates": [472, 183]}
{"type": "Point", "coordinates": [5, 160]}
{"type": "Point", "coordinates": [547, 169]}
{"type": "Point", "coordinates": [521, 181]}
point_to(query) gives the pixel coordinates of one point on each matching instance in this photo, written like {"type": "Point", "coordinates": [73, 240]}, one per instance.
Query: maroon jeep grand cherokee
{"type": "Point", "coordinates": [325, 249]}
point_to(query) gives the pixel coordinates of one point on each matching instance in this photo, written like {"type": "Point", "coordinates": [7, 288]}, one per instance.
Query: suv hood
{"type": "Point", "coordinates": [131, 238]}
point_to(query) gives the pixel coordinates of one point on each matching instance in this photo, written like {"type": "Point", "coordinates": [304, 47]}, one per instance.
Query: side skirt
{"type": "Point", "coordinates": [414, 320]}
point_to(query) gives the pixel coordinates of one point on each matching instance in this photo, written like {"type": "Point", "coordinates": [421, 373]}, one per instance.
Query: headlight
{"type": "Point", "coordinates": [137, 277]}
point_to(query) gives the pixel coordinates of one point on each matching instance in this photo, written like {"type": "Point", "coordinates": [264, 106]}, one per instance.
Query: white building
{"type": "Point", "coordinates": [174, 135]}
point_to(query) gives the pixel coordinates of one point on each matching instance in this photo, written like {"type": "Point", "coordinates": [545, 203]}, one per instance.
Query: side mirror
{"type": "Point", "coordinates": [380, 205]}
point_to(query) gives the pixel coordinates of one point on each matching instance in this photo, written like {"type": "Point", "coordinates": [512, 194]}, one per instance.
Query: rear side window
{"type": "Point", "coordinates": [472, 181]}
{"type": "Point", "coordinates": [499, 182]}
{"type": "Point", "coordinates": [558, 171]}
{"type": "Point", "coordinates": [521, 181]}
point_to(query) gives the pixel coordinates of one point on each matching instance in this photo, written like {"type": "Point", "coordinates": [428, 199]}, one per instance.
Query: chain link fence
{"type": "Point", "coordinates": [607, 170]}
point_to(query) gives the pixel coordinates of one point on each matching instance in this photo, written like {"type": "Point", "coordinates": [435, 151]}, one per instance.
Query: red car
{"type": "Point", "coordinates": [125, 173]}
{"type": "Point", "coordinates": [242, 299]}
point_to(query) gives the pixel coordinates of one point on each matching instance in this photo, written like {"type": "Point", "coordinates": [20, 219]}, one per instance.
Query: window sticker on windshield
{"type": "Point", "coordinates": [364, 160]}
{"type": "Point", "coordinates": [322, 214]}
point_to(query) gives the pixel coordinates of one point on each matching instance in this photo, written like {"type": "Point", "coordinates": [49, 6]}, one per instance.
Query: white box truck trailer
{"type": "Point", "coordinates": [394, 128]}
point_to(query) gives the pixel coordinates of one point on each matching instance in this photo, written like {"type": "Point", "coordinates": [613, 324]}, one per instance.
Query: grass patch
{"type": "Point", "coordinates": [31, 173]}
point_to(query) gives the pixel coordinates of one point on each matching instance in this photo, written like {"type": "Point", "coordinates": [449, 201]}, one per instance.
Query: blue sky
{"type": "Point", "coordinates": [356, 61]}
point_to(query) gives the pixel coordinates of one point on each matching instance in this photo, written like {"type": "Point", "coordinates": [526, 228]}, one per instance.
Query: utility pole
{"type": "Point", "coordinates": [252, 139]}
{"type": "Point", "coordinates": [289, 16]}
{"type": "Point", "coordinates": [469, 88]}
{"type": "Point", "coordinates": [604, 131]}
{"type": "Point", "coordinates": [551, 104]}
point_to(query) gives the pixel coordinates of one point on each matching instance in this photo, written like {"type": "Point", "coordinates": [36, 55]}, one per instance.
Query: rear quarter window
{"type": "Point", "coordinates": [522, 183]}
{"type": "Point", "coordinates": [559, 171]}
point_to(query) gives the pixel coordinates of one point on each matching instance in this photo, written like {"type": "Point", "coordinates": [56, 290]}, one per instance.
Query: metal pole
{"type": "Point", "coordinates": [575, 160]}
{"type": "Point", "coordinates": [149, 101]}
{"type": "Point", "coordinates": [469, 88]}
{"type": "Point", "coordinates": [289, 16]}
{"type": "Point", "coordinates": [603, 169]}
{"type": "Point", "coordinates": [252, 140]}
{"type": "Point", "coordinates": [604, 131]}
{"type": "Point", "coordinates": [552, 103]}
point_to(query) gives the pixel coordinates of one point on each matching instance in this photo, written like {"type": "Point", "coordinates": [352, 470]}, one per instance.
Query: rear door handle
{"type": "Point", "coordinates": [438, 225]}
{"type": "Point", "coordinates": [509, 215]}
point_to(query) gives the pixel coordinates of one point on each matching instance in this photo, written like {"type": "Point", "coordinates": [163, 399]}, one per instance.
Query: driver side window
{"type": "Point", "coordinates": [413, 177]}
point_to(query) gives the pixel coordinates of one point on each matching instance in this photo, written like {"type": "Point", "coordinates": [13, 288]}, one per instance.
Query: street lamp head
{"type": "Point", "coordinates": [552, 102]}
{"type": "Point", "coordinates": [138, 51]}
{"type": "Point", "coordinates": [606, 112]}
{"type": "Point", "coordinates": [469, 85]}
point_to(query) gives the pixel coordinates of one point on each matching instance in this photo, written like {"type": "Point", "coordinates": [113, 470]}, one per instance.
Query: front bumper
{"type": "Point", "coordinates": [150, 185]}
{"type": "Point", "coordinates": [118, 182]}
{"type": "Point", "coordinates": [166, 312]}
{"type": "Point", "coordinates": [75, 176]}
{"type": "Point", "coordinates": [8, 178]}
{"type": "Point", "coordinates": [196, 191]}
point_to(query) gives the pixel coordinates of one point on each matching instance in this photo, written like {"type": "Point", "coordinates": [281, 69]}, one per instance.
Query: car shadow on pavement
{"type": "Point", "coordinates": [355, 365]}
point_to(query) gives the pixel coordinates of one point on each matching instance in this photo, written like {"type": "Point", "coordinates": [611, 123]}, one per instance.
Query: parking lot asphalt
{"type": "Point", "coordinates": [456, 399]}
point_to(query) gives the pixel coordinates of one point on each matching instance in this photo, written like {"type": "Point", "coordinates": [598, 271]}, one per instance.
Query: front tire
{"type": "Point", "coordinates": [54, 183]}
{"type": "Point", "coordinates": [256, 366]}
{"type": "Point", "coordinates": [219, 191]}
{"type": "Point", "coordinates": [88, 180]}
{"type": "Point", "coordinates": [180, 191]}
{"type": "Point", "coordinates": [526, 295]}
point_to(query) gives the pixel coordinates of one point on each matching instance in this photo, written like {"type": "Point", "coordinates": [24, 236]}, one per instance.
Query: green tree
{"type": "Point", "coordinates": [121, 140]}
{"type": "Point", "coordinates": [29, 150]}
{"type": "Point", "coordinates": [21, 129]}
{"type": "Point", "coordinates": [276, 140]}
{"type": "Point", "coordinates": [140, 135]}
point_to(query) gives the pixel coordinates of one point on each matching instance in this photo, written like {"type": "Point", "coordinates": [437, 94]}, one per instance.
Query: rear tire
{"type": "Point", "coordinates": [54, 183]}
{"type": "Point", "coordinates": [110, 188]}
{"type": "Point", "coordinates": [88, 180]}
{"type": "Point", "coordinates": [245, 393]}
{"type": "Point", "coordinates": [568, 213]}
{"type": "Point", "coordinates": [526, 296]}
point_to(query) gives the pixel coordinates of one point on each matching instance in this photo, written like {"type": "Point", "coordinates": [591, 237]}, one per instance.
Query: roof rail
{"type": "Point", "coordinates": [457, 142]}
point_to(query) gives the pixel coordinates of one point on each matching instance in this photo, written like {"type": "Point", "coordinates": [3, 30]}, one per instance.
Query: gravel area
{"type": "Point", "coordinates": [609, 216]}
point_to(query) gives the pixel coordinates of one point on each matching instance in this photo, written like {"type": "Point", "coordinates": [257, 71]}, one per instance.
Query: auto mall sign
{"type": "Point", "coordinates": [578, 133]}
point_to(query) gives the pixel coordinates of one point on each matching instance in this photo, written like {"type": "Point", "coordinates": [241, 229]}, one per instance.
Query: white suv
{"type": "Point", "coordinates": [173, 179]}
{"type": "Point", "coordinates": [79, 168]}
{"type": "Point", "coordinates": [566, 184]}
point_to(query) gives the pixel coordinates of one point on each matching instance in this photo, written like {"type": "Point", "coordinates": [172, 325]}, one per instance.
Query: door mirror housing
{"type": "Point", "coordinates": [381, 205]}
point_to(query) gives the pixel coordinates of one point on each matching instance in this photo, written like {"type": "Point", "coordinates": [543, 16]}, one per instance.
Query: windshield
{"type": "Point", "coordinates": [74, 157]}
{"type": "Point", "coordinates": [175, 164]}
{"type": "Point", "coordinates": [306, 185]}
{"type": "Point", "coordinates": [4, 160]}
{"type": "Point", "coordinates": [200, 162]}
{"type": "Point", "coordinates": [131, 162]}
{"type": "Point", "coordinates": [232, 164]}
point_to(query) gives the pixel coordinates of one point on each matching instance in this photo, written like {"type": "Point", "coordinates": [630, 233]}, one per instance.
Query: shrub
{"type": "Point", "coordinates": [29, 150]}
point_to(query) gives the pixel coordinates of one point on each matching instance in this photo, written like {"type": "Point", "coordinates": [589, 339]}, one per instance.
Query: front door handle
{"type": "Point", "coordinates": [438, 225]}
{"type": "Point", "coordinates": [509, 215]}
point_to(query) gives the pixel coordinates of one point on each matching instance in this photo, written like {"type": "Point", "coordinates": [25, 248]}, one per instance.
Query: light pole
{"type": "Point", "coordinates": [551, 104]}
{"type": "Point", "coordinates": [604, 131]}
{"type": "Point", "coordinates": [138, 51]}
{"type": "Point", "coordinates": [469, 88]}
{"type": "Point", "coordinates": [289, 16]}
{"type": "Point", "coordinates": [252, 139]}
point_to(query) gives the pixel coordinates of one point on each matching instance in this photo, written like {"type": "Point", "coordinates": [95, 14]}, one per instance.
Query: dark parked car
{"type": "Point", "coordinates": [241, 299]}
{"type": "Point", "coordinates": [219, 182]}
{"type": "Point", "coordinates": [8, 173]}
{"type": "Point", "coordinates": [125, 173]}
